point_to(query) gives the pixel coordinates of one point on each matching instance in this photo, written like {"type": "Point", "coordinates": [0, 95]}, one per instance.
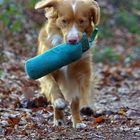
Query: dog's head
{"type": "Point", "coordinates": [72, 17]}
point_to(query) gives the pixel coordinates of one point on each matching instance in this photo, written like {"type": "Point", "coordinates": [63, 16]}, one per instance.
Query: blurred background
{"type": "Point", "coordinates": [117, 65]}
{"type": "Point", "coordinates": [119, 37]}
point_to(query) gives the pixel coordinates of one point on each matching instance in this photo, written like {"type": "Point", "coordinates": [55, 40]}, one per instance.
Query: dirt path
{"type": "Point", "coordinates": [25, 115]}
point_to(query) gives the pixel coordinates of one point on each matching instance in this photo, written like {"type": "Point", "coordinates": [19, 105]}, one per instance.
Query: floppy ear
{"type": "Point", "coordinates": [95, 12]}
{"type": "Point", "coordinates": [46, 3]}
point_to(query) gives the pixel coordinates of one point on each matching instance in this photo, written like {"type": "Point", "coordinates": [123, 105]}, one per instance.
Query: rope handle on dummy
{"type": "Point", "coordinates": [57, 57]}
{"type": "Point", "coordinates": [86, 44]}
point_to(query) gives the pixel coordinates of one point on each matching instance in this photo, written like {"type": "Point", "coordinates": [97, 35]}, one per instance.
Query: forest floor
{"type": "Point", "coordinates": [26, 114]}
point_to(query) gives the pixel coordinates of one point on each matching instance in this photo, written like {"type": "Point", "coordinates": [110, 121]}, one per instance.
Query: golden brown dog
{"type": "Point", "coordinates": [67, 20]}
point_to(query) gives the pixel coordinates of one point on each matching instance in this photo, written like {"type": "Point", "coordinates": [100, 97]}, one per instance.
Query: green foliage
{"type": "Point", "coordinates": [135, 53]}
{"type": "Point", "coordinates": [30, 4]}
{"type": "Point", "coordinates": [105, 55]}
{"type": "Point", "coordinates": [136, 4]}
{"type": "Point", "coordinates": [1, 73]}
{"type": "Point", "coordinates": [127, 20]}
{"type": "Point", "coordinates": [133, 56]}
{"type": "Point", "coordinates": [137, 40]}
{"type": "Point", "coordinates": [123, 16]}
{"type": "Point", "coordinates": [11, 15]}
{"type": "Point", "coordinates": [105, 30]}
{"type": "Point", "coordinates": [3, 58]}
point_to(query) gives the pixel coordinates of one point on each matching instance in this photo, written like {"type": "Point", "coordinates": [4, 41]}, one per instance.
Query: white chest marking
{"type": "Point", "coordinates": [64, 70]}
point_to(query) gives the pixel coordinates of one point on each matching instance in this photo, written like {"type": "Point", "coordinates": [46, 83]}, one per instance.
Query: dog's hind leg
{"type": "Point", "coordinates": [85, 90]}
{"type": "Point", "coordinates": [76, 120]}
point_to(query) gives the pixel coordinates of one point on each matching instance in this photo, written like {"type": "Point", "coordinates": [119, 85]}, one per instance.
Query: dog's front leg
{"type": "Point", "coordinates": [75, 110]}
{"type": "Point", "coordinates": [51, 90]}
{"type": "Point", "coordinates": [58, 117]}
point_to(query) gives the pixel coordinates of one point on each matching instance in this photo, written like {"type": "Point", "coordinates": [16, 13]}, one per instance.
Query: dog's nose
{"type": "Point", "coordinates": [73, 40]}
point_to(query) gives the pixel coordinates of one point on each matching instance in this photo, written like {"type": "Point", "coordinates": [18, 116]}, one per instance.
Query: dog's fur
{"type": "Point", "coordinates": [67, 20]}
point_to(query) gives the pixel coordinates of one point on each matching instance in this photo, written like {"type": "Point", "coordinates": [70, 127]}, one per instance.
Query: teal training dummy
{"type": "Point", "coordinates": [57, 57]}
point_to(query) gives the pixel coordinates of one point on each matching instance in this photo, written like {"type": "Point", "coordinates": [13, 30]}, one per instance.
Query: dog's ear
{"type": "Point", "coordinates": [95, 12]}
{"type": "Point", "coordinates": [50, 7]}
{"type": "Point", "coordinates": [46, 4]}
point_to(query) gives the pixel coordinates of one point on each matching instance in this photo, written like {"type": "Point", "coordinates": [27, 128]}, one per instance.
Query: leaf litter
{"type": "Point", "coordinates": [26, 114]}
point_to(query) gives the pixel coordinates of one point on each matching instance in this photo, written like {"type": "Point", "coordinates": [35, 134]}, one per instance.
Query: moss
{"type": "Point", "coordinates": [1, 73]}
{"type": "Point", "coordinates": [127, 20]}
{"type": "Point", "coordinates": [105, 30]}
{"type": "Point", "coordinates": [105, 54]}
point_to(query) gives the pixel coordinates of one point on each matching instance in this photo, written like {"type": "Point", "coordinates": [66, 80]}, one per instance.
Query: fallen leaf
{"type": "Point", "coordinates": [33, 103]}
{"type": "Point", "coordinates": [99, 120]}
{"type": "Point", "coordinates": [13, 121]}
{"type": "Point", "coordinates": [8, 131]}
{"type": "Point", "coordinates": [122, 111]}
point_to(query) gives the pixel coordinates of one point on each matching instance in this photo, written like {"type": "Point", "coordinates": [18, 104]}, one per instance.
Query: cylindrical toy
{"type": "Point", "coordinates": [57, 57]}
{"type": "Point", "coordinates": [52, 60]}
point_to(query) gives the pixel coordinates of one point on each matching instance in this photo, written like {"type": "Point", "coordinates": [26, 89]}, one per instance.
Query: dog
{"type": "Point", "coordinates": [67, 20]}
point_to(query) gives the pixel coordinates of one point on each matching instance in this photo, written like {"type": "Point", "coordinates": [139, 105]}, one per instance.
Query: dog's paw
{"type": "Point", "coordinates": [59, 104]}
{"type": "Point", "coordinates": [57, 39]}
{"type": "Point", "coordinates": [58, 122]}
{"type": "Point", "coordinates": [86, 111]}
{"type": "Point", "coordinates": [79, 125]}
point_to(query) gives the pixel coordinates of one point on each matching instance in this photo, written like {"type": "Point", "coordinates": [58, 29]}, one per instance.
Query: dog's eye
{"type": "Point", "coordinates": [81, 21]}
{"type": "Point", "coordinates": [64, 21]}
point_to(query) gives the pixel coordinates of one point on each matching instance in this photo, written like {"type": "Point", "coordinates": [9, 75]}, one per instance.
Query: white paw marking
{"type": "Point", "coordinates": [57, 39]}
{"type": "Point", "coordinates": [58, 122]}
{"type": "Point", "coordinates": [80, 125]}
{"type": "Point", "coordinates": [59, 103]}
